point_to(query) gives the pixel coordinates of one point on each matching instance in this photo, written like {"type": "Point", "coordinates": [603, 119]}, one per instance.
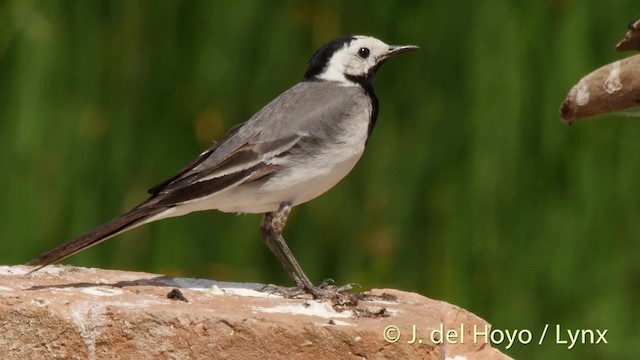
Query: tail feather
{"type": "Point", "coordinates": [130, 220]}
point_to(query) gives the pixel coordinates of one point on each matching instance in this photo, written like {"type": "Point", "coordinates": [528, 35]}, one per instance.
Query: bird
{"type": "Point", "coordinates": [297, 147]}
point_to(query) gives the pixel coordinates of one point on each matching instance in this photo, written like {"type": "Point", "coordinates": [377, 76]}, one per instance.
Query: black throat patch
{"type": "Point", "coordinates": [367, 84]}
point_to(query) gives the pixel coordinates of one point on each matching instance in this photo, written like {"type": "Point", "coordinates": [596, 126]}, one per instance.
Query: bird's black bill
{"type": "Point", "coordinates": [401, 49]}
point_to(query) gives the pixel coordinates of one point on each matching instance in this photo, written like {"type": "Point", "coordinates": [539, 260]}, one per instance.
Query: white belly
{"type": "Point", "coordinates": [297, 185]}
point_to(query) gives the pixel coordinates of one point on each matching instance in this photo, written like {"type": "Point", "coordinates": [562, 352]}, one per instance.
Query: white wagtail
{"type": "Point", "coordinates": [293, 150]}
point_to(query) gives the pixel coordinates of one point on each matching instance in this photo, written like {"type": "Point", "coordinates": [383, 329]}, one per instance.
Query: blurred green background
{"type": "Point", "coordinates": [471, 190]}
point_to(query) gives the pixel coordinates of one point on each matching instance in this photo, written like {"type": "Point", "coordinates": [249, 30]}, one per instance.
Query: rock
{"type": "Point", "coordinates": [78, 313]}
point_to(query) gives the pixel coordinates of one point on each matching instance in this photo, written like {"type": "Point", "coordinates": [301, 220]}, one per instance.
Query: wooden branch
{"type": "Point", "coordinates": [611, 88]}
{"type": "Point", "coordinates": [631, 39]}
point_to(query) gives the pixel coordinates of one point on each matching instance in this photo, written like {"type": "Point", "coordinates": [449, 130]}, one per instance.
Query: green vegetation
{"type": "Point", "coordinates": [471, 190]}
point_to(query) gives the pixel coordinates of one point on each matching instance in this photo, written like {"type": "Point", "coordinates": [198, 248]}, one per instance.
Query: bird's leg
{"type": "Point", "coordinates": [271, 232]}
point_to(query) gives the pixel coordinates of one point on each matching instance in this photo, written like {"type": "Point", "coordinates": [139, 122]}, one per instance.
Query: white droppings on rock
{"type": "Point", "coordinates": [342, 323]}
{"type": "Point", "coordinates": [613, 83]}
{"type": "Point", "coordinates": [40, 302]}
{"type": "Point", "coordinates": [102, 291]}
{"type": "Point", "coordinates": [457, 357]}
{"type": "Point", "coordinates": [89, 319]}
{"type": "Point", "coordinates": [215, 290]}
{"type": "Point", "coordinates": [239, 291]}
{"type": "Point", "coordinates": [392, 312]}
{"type": "Point", "coordinates": [13, 270]}
{"type": "Point", "coordinates": [220, 287]}
{"type": "Point", "coordinates": [5, 289]}
{"type": "Point", "coordinates": [312, 308]}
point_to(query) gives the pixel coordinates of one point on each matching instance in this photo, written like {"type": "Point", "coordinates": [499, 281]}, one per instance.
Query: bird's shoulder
{"type": "Point", "coordinates": [303, 111]}
{"type": "Point", "coordinates": [306, 107]}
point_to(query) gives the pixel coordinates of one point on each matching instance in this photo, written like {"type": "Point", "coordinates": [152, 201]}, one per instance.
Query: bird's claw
{"type": "Point", "coordinates": [326, 290]}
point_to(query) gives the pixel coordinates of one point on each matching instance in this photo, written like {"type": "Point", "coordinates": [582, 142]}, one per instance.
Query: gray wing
{"type": "Point", "coordinates": [308, 112]}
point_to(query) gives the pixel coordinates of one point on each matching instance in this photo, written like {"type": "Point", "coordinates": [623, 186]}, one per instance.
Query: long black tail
{"type": "Point", "coordinates": [130, 220]}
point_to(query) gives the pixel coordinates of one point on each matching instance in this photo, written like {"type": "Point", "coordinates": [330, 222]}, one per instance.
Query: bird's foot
{"type": "Point", "coordinates": [327, 290]}
{"type": "Point", "coordinates": [286, 292]}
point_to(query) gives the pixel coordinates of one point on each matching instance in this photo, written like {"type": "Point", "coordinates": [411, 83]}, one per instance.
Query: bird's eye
{"type": "Point", "coordinates": [363, 53]}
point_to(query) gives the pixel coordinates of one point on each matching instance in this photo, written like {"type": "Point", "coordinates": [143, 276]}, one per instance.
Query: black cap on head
{"type": "Point", "coordinates": [320, 59]}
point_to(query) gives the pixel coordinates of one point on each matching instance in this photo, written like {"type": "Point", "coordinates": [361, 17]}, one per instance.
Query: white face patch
{"type": "Point", "coordinates": [349, 61]}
